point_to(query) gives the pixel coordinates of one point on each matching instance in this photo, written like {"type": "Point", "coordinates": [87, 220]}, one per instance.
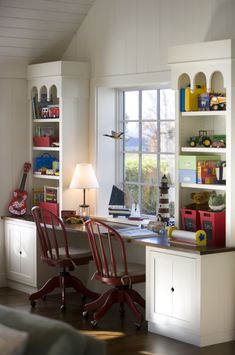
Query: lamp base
{"type": "Point", "coordinates": [84, 211]}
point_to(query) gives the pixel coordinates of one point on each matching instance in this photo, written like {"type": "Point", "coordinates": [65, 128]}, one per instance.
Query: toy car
{"type": "Point", "coordinates": [217, 102]}
{"type": "Point", "coordinates": [201, 140]}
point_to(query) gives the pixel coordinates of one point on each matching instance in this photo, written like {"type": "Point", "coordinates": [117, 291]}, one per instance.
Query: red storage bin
{"type": "Point", "coordinates": [213, 223]}
{"type": "Point", "coordinates": [43, 141]}
{"type": "Point", "coordinates": [190, 220]}
{"type": "Point", "coordinates": [50, 206]}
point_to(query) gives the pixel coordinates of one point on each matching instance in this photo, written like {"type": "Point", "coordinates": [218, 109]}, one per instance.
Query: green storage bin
{"type": "Point", "coordinates": [190, 161]}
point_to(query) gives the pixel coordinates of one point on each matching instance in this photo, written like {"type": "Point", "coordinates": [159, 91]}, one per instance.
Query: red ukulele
{"type": "Point", "coordinates": [17, 206]}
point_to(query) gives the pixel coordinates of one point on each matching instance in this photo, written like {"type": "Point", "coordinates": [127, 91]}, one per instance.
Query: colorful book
{"type": "Point", "coordinates": [191, 98]}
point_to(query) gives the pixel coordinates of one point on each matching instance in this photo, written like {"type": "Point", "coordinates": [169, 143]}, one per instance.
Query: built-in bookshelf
{"type": "Point", "coordinates": [58, 101]}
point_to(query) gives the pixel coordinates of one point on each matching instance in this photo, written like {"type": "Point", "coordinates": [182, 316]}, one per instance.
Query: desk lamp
{"type": "Point", "coordinates": [84, 178]}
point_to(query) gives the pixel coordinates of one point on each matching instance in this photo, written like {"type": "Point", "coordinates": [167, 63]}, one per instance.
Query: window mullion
{"type": "Point", "coordinates": [140, 151]}
{"type": "Point", "coordinates": [158, 145]}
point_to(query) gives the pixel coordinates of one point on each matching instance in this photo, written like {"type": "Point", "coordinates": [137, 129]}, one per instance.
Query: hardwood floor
{"type": "Point", "coordinates": [120, 334]}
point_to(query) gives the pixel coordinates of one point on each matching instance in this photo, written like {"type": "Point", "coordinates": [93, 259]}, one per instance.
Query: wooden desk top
{"type": "Point", "coordinates": [158, 242]}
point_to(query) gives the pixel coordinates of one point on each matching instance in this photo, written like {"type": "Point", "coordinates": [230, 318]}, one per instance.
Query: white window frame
{"type": "Point", "coordinates": [121, 152]}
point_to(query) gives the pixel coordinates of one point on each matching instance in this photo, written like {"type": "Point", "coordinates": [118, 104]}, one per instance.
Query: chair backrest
{"type": "Point", "coordinates": [108, 250]}
{"type": "Point", "coordinates": [49, 227]}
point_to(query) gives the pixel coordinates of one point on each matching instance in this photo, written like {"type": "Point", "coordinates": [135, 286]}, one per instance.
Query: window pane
{"type": "Point", "coordinates": [149, 199]}
{"type": "Point", "coordinates": [167, 104]}
{"type": "Point", "coordinates": [149, 104]}
{"type": "Point", "coordinates": [132, 194]}
{"type": "Point", "coordinates": [131, 105]}
{"type": "Point", "coordinates": [149, 137]}
{"type": "Point", "coordinates": [149, 169]}
{"type": "Point", "coordinates": [167, 166]}
{"type": "Point", "coordinates": [167, 132]}
{"type": "Point", "coordinates": [131, 167]}
{"type": "Point", "coordinates": [132, 136]}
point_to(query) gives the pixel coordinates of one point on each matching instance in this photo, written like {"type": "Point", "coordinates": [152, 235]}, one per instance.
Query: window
{"type": "Point", "coordinates": [147, 150]}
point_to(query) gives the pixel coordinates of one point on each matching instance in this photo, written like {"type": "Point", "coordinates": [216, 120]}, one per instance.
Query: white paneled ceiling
{"type": "Point", "coordinates": [33, 31]}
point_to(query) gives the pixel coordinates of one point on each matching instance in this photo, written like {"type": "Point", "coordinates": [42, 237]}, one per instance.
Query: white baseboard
{"type": "Point", "coordinates": [190, 337]}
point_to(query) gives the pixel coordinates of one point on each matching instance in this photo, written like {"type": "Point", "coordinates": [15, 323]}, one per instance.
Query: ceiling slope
{"type": "Point", "coordinates": [33, 31]}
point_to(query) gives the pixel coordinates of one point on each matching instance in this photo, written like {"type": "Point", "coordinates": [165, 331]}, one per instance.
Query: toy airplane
{"type": "Point", "coordinates": [115, 135]}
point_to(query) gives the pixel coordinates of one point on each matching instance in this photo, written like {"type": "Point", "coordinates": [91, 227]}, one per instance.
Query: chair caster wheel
{"type": "Point", "coordinates": [94, 323]}
{"type": "Point", "coordinates": [85, 314]}
{"type": "Point", "coordinates": [33, 304]}
{"type": "Point", "coordinates": [62, 308]}
{"type": "Point", "coordinates": [138, 326]}
{"type": "Point", "coordinates": [122, 311]}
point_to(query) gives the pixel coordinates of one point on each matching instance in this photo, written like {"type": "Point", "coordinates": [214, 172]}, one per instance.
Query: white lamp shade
{"type": "Point", "coordinates": [84, 177]}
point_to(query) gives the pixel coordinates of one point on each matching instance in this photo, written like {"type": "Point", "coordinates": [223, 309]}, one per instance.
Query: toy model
{"type": "Point", "coordinates": [201, 140]}
{"type": "Point", "coordinates": [206, 139]}
{"type": "Point", "coordinates": [44, 112]}
{"type": "Point", "coordinates": [217, 102]}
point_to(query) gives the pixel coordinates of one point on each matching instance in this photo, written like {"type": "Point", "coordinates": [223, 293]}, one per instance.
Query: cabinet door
{"type": "Point", "coordinates": [172, 288]}
{"type": "Point", "coordinates": [21, 253]}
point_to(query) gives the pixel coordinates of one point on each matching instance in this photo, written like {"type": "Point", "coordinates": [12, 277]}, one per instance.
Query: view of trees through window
{"type": "Point", "coordinates": [148, 146]}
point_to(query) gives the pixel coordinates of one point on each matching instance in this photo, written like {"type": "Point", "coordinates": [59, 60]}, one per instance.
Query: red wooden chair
{"type": "Point", "coordinates": [57, 253]}
{"type": "Point", "coordinates": [112, 269]}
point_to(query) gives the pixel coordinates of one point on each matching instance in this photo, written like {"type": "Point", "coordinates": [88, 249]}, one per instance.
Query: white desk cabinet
{"type": "Point", "coordinates": [189, 296]}
{"type": "Point", "coordinates": [20, 246]}
{"type": "Point", "coordinates": [173, 289]}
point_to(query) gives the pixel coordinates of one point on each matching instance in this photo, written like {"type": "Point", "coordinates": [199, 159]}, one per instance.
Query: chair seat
{"type": "Point", "coordinates": [73, 252]}
{"type": "Point", "coordinates": [134, 269]}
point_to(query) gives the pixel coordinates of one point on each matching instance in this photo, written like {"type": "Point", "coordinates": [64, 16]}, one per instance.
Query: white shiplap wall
{"type": "Point", "coordinates": [13, 138]}
{"type": "Point", "coordinates": [126, 42]}
{"type": "Point", "coordinates": [123, 37]}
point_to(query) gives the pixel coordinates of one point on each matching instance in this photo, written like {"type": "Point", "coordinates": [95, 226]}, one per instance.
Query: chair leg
{"type": "Point", "coordinates": [111, 299]}
{"type": "Point", "coordinates": [72, 281]}
{"type": "Point", "coordinates": [132, 307]}
{"type": "Point", "coordinates": [91, 306]}
{"type": "Point", "coordinates": [136, 297]}
{"type": "Point", "coordinates": [48, 287]}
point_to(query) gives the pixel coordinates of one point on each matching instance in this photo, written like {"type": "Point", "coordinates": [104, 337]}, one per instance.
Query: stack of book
{"type": "Point", "coordinates": [118, 211]}
{"type": "Point", "coordinates": [116, 204]}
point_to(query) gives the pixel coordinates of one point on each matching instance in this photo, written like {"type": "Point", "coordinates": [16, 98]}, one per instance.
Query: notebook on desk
{"type": "Point", "coordinates": [135, 232]}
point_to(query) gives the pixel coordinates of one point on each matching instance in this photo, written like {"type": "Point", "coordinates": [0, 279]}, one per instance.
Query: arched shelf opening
{"type": "Point", "coordinates": [184, 81]}
{"type": "Point", "coordinates": [43, 93]}
{"type": "Point", "coordinates": [53, 94]}
{"type": "Point", "coordinates": [199, 81]}
{"type": "Point", "coordinates": [217, 83]}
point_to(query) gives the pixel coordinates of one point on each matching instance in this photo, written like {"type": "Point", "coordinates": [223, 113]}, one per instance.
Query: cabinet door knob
{"type": "Point", "coordinates": [172, 289]}
{"type": "Point", "coordinates": [20, 252]}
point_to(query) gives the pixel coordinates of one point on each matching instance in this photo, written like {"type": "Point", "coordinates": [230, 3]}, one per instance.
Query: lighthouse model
{"type": "Point", "coordinates": [163, 210]}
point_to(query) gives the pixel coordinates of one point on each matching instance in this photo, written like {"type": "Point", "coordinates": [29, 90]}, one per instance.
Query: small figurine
{"type": "Point", "coordinates": [163, 210]}
{"type": "Point", "coordinates": [115, 135]}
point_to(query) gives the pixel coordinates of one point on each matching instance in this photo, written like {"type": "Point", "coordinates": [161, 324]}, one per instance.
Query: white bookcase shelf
{"type": "Point", "coordinates": [204, 186]}
{"type": "Point", "coordinates": [65, 85]}
{"type": "Point", "coordinates": [209, 65]}
{"type": "Point", "coordinates": [197, 150]}
{"type": "Point", "coordinates": [203, 113]}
